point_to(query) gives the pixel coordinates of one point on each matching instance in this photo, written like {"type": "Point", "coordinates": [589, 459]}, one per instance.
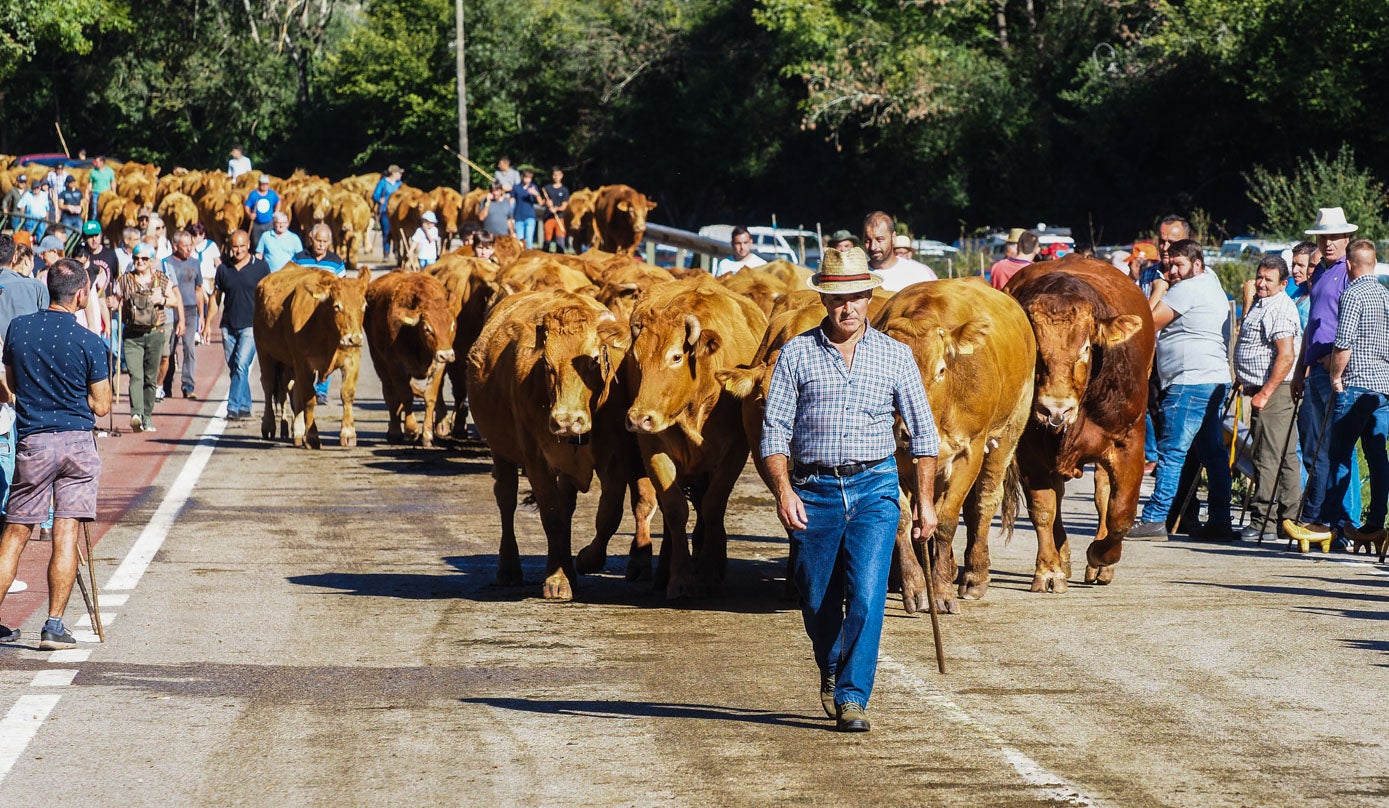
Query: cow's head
{"type": "Point", "coordinates": [636, 208]}
{"type": "Point", "coordinates": [320, 203]}
{"type": "Point", "coordinates": [425, 313]}
{"type": "Point", "coordinates": [348, 299]}
{"type": "Point", "coordinates": [671, 371]}
{"type": "Point", "coordinates": [1068, 336]}
{"type": "Point", "coordinates": [581, 347]}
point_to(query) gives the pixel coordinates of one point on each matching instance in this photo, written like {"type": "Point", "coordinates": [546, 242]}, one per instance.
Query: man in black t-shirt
{"type": "Point", "coordinates": [555, 199]}
{"type": "Point", "coordinates": [234, 294]}
{"type": "Point", "coordinates": [103, 257]}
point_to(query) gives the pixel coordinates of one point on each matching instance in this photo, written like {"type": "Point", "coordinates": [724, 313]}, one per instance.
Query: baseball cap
{"type": "Point", "coordinates": [1146, 249]}
{"type": "Point", "coordinates": [91, 228]}
{"type": "Point", "coordinates": [263, 178]}
{"type": "Point", "coordinates": [901, 241]}
{"type": "Point", "coordinates": [23, 237]}
{"type": "Point", "coordinates": [22, 179]}
{"type": "Point", "coordinates": [430, 217]}
{"type": "Point", "coordinates": [142, 250]}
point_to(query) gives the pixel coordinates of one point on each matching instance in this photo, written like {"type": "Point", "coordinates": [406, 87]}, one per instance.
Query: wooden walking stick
{"type": "Point", "coordinates": [931, 599]}
{"type": "Point", "coordinates": [1278, 478]}
{"type": "Point", "coordinates": [95, 606]}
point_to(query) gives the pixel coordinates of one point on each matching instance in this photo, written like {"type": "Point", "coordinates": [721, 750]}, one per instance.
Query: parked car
{"type": "Point", "coordinates": [772, 244]}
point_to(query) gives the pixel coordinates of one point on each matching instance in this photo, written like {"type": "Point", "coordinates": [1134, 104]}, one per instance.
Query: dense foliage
{"type": "Point", "coordinates": [955, 114]}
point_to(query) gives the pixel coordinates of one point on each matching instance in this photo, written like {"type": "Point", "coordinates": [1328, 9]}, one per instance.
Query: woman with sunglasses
{"type": "Point", "coordinates": [142, 294]}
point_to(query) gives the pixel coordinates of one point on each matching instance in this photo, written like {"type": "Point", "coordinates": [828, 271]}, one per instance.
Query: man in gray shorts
{"type": "Point", "coordinates": [59, 381]}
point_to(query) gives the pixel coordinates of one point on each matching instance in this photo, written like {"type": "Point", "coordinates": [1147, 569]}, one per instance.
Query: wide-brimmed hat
{"type": "Point", "coordinates": [843, 273]}
{"type": "Point", "coordinates": [1015, 234]}
{"type": "Point", "coordinates": [844, 235]}
{"type": "Point", "coordinates": [1331, 221]}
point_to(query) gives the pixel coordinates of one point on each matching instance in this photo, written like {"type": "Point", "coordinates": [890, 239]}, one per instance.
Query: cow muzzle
{"type": "Point", "coordinates": [1056, 414]}
{"type": "Point", "coordinates": [569, 424]}
{"type": "Point", "coordinates": [443, 357]}
{"type": "Point", "coordinates": [644, 422]}
{"type": "Point", "coordinates": [353, 340]}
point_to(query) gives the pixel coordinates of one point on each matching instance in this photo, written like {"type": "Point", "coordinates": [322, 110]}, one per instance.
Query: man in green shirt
{"type": "Point", "coordinates": [99, 180]}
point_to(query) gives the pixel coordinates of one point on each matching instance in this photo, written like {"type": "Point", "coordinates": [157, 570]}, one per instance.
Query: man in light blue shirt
{"type": "Point", "coordinates": [278, 245]}
{"type": "Point", "coordinates": [1193, 376]}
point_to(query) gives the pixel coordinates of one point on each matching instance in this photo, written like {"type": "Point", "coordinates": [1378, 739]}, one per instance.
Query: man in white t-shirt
{"type": "Point", "coordinates": [425, 241]}
{"type": "Point", "coordinates": [1193, 375]}
{"type": "Point", "coordinates": [238, 164]}
{"type": "Point", "coordinates": [743, 256]}
{"type": "Point", "coordinates": [878, 241]}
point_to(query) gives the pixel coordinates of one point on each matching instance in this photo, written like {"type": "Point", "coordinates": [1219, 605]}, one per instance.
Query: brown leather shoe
{"type": "Point", "coordinates": [852, 718]}
{"type": "Point", "coordinates": [827, 694]}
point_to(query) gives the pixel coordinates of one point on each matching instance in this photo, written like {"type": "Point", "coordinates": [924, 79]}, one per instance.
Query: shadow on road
{"type": "Point", "coordinates": [600, 708]}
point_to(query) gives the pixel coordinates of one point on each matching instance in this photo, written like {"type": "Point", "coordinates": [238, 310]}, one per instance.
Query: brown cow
{"type": "Point", "coordinates": [1094, 350]}
{"type": "Point", "coordinates": [116, 213]}
{"type": "Point", "coordinates": [975, 350]}
{"type": "Point", "coordinates": [350, 221]}
{"type": "Point", "coordinates": [308, 323]}
{"type": "Point", "coordinates": [222, 212]}
{"type": "Point", "coordinates": [762, 288]}
{"type": "Point", "coordinates": [309, 204]}
{"type": "Point", "coordinates": [405, 211]}
{"type": "Point", "coordinates": [619, 214]}
{"type": "Point", "coordinates": [688, 427]}
{"type": "Point", "coordinates": [541, 378]}
{"type": "Point", "coordinates": [624, 285]}
{"type": "Point", "coordinates": [536, 270]}
{"type": "Point", "coordinates": [410, 324]}
{"type": "Point", "coordinates": [578, 219]}
{"type": "Point", "coordinates": [471, 286]}
{"type": "Point", "coordinates": [447, 203]}
{"type": "Point", "coordinates": [178, 210]}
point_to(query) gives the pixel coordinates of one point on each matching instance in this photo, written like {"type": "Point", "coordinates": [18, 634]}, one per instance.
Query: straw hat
{"type": "Point", "coordinates": [843, 273]}
{"type": "Point", "coordinates": [1015, 234]}
{"type": "Point", "coordinates": [1331, 222]}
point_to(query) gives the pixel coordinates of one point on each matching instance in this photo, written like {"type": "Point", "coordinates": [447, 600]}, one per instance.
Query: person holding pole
{"type": "Point", "coordinates": [1193, 378]}
{"type": "Point", "coordinates": [1265, 355]}
{"type": "Point", "coordinates": [60, 378]}
{"type": "Point", "coordinates": [829, 446]}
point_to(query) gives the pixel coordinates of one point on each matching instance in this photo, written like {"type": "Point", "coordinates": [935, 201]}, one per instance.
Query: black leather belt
{"type": "Point", "coordinates": [846, 470]}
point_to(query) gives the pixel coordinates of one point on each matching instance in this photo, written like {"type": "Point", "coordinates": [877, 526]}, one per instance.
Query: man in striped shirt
{"type": "Point", "coordinates": [1360, 378]}
{"type": "Point", "coordinates": [829, 445]}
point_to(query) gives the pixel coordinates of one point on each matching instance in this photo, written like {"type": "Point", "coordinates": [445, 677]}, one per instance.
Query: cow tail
{"type": "Point", "coordinates": [1012, 499]}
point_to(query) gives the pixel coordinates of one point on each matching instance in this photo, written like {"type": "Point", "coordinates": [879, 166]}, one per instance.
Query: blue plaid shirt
{"type": "Point", "coordinates": [820, 412]}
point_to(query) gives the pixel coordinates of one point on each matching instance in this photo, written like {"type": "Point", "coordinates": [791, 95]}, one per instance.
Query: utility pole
{"type": "Point", "coordinates": [462, 99]}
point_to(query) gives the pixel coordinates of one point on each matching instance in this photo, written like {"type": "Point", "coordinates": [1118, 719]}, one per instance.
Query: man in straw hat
{"type": "Point", "coordinates": [1313, 378]}
{"type": "Point", "coordinates": [828, 441]}
{"type": "Point", "coordinates": [1024, 253]}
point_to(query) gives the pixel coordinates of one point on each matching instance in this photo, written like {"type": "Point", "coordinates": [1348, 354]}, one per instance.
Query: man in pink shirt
{"type": "Point", "coordinates": [1008, 266]}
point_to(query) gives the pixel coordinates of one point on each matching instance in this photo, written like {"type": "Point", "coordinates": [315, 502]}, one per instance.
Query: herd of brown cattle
{"type": "Point", "coordinates": [612, 217]}
{"type": "Point", "coordinates": [600, 366]}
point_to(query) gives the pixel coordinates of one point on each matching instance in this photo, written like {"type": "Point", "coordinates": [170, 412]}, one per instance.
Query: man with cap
{"type": "Point", "coordinates": [829, 444]}
{"type": "Point", "coordinates": [381, 197]}
{"type": "Point", "coordinates": [70, 204]}
{"type": "Point", "coordinates": [743, 256]}
{"type": "Point", "coordinates": [1006, 267]}
{"type": "Point", "coordinates": [842, 240]}
{"type": "Point", "coordinates": [103, 258]}
{"type": "Point", "coordinates": [1359, 370]}
{"type": "Point", "coordinates": [320, 256]}
{"type": "Point", "coordinates": [1312, 381]}
{"type": "Point", "coordinates": [902, 246]}
{"type": "Point", "coordinates": [425, 240]}
{"type": "Point", "coordinates": [897, 273]}
{"type": "Point", "coordinates": [261, 206]}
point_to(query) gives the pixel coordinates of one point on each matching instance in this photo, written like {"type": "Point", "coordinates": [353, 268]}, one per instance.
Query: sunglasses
{"type": "Point", "coordinates": [142, 258]}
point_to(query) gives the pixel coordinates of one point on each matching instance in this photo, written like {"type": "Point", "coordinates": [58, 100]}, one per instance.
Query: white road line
{"type": "Point", "coordinates": [19, 726]}
{"type": "Point", "coordinates": [128, 574]}
{"type": "Point", "coordinates": [85, 621]}
{"type": "Point", "coordinates": [1049, 786]}
{"type": "Point", "coordinates": [70, 655]}
{"type": "Point", "coordinates": [58, 677]}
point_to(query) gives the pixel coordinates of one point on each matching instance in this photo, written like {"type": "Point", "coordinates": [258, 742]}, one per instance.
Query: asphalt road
{"type": "Point", "coordinates": [321, 628]}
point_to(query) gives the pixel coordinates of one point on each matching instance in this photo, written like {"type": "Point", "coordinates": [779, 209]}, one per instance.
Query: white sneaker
{"type": "Point", "coordinates": [149, 427]}
{"type": "Point", "coordinates": [136, 425]}
{"type": "Point", "coordinates": [159, 394]}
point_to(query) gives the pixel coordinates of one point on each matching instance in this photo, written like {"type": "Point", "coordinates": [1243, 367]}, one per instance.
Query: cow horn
{"type": "Point", "coordinates": [692, 329]}
{"type": "Point", "coordinates": [607, 317]}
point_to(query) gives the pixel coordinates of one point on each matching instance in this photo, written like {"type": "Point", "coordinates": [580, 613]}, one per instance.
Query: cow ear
{"type": "Point", "coordinates": [969, 336]}
{"type": "Point", "coordinates": [740, 382]}
{"type": "Point", "coordinates": [321, 296]}
{"type": "Point", "coordinates": [1117, 330]}
{"type": "Point", "coordinates": [709, 343]}
{"type": "Point", "coordinates": [364, 274]}
{"type": "Point", "coordinates": [615, 333]}
{"type": "Point", "coordinates": [650, 206]}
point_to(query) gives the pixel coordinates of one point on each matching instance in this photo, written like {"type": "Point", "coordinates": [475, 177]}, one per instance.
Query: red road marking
{"type": "Point", "coordinates": [129, 464]}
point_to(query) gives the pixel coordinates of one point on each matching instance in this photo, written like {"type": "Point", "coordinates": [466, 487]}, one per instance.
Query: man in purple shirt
{"type": "Point", "coordinates": [1313, 381]}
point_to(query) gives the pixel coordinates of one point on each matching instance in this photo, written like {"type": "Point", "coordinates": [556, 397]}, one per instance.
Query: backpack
{"type": "Point", "coordinates": [137, 307]}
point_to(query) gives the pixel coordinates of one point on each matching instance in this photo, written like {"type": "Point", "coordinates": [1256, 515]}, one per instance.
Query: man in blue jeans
{"type": "Point", "coordinates": [1194, 375]}
{"type": "Point", "coordinates": [234, 294]}
{"type": "Point", "coordinates": [830, 410]}
{"type": "Point", "coordinates": [1359, 371]}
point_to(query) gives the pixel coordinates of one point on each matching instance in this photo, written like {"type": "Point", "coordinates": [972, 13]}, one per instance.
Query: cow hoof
{"type": "Point", "coordinates": [639, 564]}
{"type": "Point", "coordinates": [1054, 581]}
{"type": "Point", "coordinates": [395, 438]}
{"type": "Point", "coordinates": [947, 606]}
{"type": "Point", "coordinates": [914, 602]}
{"type": "Point", "coordinates": [299, 441]}
{"type": "Point", "coordinates": [509, 578]}
{"type": "Point", "coordinates": [1099, 576]}
{"type": "Point", "coordinates": [347, 438]}
{"type": "Point", "coordinates": [689, 588]}
{"type": "Point", "coordinates": [590, 560]}
{"type": "Point", "coordinates": [973, 588]}
{"type": "Point", "coordinates": [267, 431]}
{"type": "Point", "coordinates": [557, 587]}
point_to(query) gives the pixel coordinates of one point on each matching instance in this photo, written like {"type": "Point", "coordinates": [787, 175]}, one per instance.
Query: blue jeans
{"type": "Point", "coordinates": [239, 347]}
{"type": "Point", "coordinates": [1191, 423]}
{"type": "Point", "coordinates": [385, 231]}
{"type": "Point", "coordinates": [842, 561]}
{"type": "Point", "coordinates": [525, 231]}
{"type": "Point", "coordinates": [1310, 419]}
{"type": "Point", "coordinates": [1150, 452]}
{"type": "Point", "coordinates": [1361, 415]}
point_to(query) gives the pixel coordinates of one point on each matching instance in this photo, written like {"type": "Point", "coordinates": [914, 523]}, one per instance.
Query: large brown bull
{"type": "Point", "coordinates": [1094, 351]}
{"type": "Point", "coordinates": [542, 379]}
{"type": "Point", "coordinates": [578, 219]}
{"type": "Point", "coordinates": [410, 325]}
{"type": "Point", "coordinates": [688, 426]}
{"type": "Point", "coordinates": [308, 323]}
{"type": "Point", "coordinates": [619, 214]}
{"type": "Point", "coordinates": [975, 350]}
{"type": "Point", "coordinates": [471, 284]}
